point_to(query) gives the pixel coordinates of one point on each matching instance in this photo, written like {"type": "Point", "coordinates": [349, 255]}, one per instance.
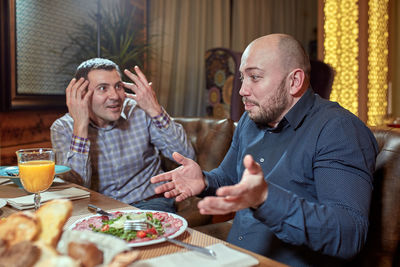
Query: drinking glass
{"type": "Point", "coordinates": [36, 170]}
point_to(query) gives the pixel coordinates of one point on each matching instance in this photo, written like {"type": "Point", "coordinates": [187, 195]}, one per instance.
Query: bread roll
{"type": "Point", "coordinates": [22, 254]}
{"type": "Point", "coordinates": [52, 216]}
{"type": "Point", "coordinates": [18, 227]}
{"type": "Point", "coordinates": [87, 253]}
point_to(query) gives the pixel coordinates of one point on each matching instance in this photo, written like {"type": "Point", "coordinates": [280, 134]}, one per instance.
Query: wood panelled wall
{"type": "Point", "coordinates": [24, 129]}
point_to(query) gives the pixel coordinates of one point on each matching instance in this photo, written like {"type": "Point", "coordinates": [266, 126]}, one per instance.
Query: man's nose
{"type": "Point", "coordinates": [244, 89]}
{"type": "Point", "coordinates": [112, 93]}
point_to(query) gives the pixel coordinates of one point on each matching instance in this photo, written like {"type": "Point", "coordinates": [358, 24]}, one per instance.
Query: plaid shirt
{"type": "Point", "coordinates": [119, 160]}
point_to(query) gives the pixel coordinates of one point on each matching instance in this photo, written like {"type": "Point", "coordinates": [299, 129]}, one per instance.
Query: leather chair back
{"type": "Point", "coordinates": [211, 139]}
{"type": "Point", "coordinates": [383, 246]}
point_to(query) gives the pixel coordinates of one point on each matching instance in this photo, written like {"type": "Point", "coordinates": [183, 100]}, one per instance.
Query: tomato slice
{"type": "Point", "coordinates": [141, 234]}
{"type": "Point", "coordinates": [105, 228]}
{"type": "Point", "coordinates": [151, 231]}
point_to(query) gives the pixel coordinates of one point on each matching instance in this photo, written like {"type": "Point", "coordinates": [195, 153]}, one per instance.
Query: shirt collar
{"type": "Point", "coordinates": [127, 109]}
{"type": "Point", "coordinates": [298, 112]}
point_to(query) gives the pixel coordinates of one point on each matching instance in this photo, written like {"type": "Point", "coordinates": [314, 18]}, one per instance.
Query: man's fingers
{"type": "Point", "coordinates": [88, 94]}
{"type": "Point", "coordinates": [161, 177]}
{"type": "Point", "coordinates": [252, 166]}
{"type": "Point", "coordinates": [172, 193]}
{"type": "Point", "coordinates": [131, 96]}
{"type": "Point", "coordinates": [164, 188]}
{"type": "Point", "coordinates": [216, 205]}
{"type": "Point", "coordinates": [135, 79]}
{"type": "Point", "coordinates": [180, 159]}
{"type": "Point", "coordinates": [141, 75]}
{"type": "Point", "coordinates": [232, 190]}
{"type": "Point", "coordinates": [81, 91]}
{"type": "Point", "coordinates": [76, 88]}
{"type": "Point", "coordinates": [130, 86]}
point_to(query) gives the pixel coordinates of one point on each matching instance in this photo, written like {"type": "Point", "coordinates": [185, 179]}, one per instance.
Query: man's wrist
{"type": "Point", "coordinates": [156, 112]}
{"type": "Point", "coordinates": [162, 120]}
{"type": "Point", "coordinates": [81, 131]}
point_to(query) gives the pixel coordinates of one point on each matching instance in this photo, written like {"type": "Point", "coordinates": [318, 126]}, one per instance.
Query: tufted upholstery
{"type": "Point", "coordinates": [211, 139]}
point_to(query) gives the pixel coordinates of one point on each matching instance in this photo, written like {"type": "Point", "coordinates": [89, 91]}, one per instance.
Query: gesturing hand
{"type": "Point", "coordinates": [250, 192]}
{"type": "Point", "coordinates": [144, 94]}
{"type": "Point", "coordinates": [183, 182]}
{"type": "Point", "coordinates": [78, 105]}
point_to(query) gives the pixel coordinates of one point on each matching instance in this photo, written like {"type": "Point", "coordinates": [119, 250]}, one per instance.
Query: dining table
{"type": "Point", "coordinates": [80, 210]}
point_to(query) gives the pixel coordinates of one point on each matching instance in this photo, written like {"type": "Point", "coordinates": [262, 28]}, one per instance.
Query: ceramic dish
{"type": "Point", "coordinates": [160, 239]}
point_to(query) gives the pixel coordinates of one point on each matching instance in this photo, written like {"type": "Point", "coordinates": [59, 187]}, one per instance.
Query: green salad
{"type": "Point", "coordinates": [115, 226]}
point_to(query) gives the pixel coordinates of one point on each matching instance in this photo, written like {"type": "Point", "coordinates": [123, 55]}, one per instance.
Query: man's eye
{"type": "Point", "coordinates": [102, 88]}
{"type": "Point", "coordinates": [255, 77]}
{"type": "Point", "coordinates": [119, 87]}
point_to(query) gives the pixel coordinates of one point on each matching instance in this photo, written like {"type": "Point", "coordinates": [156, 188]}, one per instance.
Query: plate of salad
{"type": "Point", "coordinates": [160, 224]}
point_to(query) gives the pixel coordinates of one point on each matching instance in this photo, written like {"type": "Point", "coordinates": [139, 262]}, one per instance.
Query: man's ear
{"type": "Point", "coordinates": [296, 82]}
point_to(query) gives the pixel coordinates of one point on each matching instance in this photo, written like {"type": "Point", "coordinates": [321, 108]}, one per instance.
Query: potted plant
{"type": "Point", "coordinates": [122, 37]}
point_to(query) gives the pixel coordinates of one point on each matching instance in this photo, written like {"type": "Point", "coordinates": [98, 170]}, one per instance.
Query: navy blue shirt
{"type": "Point", "coordinates": [318, 163]}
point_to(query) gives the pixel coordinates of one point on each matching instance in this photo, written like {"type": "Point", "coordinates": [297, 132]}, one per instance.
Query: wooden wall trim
{"type": "Point", "coordinates": [363, 61]}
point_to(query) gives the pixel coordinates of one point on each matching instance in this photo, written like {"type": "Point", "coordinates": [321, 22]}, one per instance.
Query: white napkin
{"type": "Point", "coordinates": [26, 202]}
{"type": "Point", "coordinates": [225, 257]}
{"type": "Point", "coordinates": [4, 180]}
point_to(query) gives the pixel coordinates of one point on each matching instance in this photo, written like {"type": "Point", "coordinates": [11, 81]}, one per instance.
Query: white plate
{"type": "Point", "coordinates": [145, 243]}
{"type": "Point", "coordinates": [2, 203]}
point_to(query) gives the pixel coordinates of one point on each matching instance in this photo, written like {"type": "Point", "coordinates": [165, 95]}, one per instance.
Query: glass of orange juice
{"type": "Point", "coordinates": [36, 170]}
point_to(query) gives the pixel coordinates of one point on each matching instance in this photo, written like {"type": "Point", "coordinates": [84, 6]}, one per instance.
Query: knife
{"type": "Point", "coordinates": [206, 251]}
{"type": "Point", "coordinates": [99, 210]}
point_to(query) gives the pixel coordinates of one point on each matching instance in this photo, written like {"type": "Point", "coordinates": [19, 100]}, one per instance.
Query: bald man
{"type": "Point", "coordinates": [299, 169]}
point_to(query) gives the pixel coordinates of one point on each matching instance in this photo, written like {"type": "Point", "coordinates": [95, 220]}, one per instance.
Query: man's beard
{"type": "Point", "coordinates": [276, 105]}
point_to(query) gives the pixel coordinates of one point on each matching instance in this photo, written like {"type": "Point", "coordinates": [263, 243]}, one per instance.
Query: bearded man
{"type": "Point", "coordinates": [299, 170]}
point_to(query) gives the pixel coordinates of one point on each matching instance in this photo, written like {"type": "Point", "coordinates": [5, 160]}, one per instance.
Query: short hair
{"type": "Point", "coordinates": [95, 64]}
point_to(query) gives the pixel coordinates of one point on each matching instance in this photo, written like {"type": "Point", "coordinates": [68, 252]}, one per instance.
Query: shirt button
{"type": "Point", "coordinates": [261, 160]}
{"type": "Point", "coordinates": [240, 237]}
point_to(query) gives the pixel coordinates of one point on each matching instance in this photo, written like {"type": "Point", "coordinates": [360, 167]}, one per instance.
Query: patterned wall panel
{"type": "Point", "coordinates": [41, 33]}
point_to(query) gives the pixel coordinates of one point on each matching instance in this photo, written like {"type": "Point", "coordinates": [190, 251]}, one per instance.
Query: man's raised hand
{"type": "Point", "coordinates": [183, 182]}
{"type": "Point", "coordinates": [144, 94]}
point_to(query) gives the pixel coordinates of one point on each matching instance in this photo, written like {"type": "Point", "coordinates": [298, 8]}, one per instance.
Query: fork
{"type": "Point", "coordinates": [137, 225]}
{"type": "Point", "coordinates": [141, 225]}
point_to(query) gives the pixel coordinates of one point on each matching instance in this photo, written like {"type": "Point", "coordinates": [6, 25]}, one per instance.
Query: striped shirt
{"type": "Point", "coordinates": [119, 160]}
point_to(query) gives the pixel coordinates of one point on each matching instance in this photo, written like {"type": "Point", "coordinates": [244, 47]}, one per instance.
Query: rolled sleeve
{"type": "Point", "coordinates": [162, 120]}
{"type": "Point", "coordinates": [79, 144]}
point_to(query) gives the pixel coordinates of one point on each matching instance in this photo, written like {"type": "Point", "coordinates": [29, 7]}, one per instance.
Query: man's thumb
{"type": "Point", "coordinates": [252, 166]}
{"type": "Point", "coordinates": [179, 158]}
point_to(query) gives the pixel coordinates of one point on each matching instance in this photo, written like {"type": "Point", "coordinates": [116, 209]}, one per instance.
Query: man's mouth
{"type": "Point", "coordinates": [248, 104]}
{"type": "Point", "coordinates": [114, 107]}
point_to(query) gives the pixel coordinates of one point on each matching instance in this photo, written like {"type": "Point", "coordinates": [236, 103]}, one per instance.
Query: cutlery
{"type": "Point", "coordinates": [206, 251]}
{"type": "Point", "coordinates": [141, 225]}
{"type": "Point", "coordinates": [137, 225]}
{"type": "Point", "coordinates": [99, 210]}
